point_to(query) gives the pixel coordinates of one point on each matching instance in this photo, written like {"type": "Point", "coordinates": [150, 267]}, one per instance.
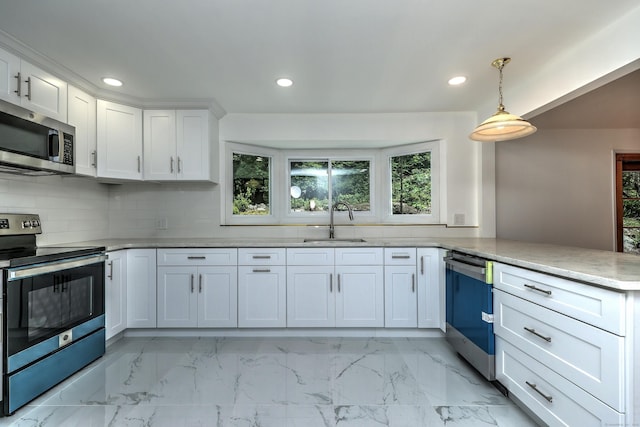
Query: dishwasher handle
{"type": "Point", "coordinates": [473, 271]}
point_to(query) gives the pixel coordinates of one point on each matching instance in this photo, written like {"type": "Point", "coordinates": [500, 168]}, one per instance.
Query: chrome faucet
{"type": "Point", "coordinates": [332, 230]}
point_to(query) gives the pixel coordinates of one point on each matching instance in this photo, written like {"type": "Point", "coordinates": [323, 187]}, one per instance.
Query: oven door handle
{"type": "Point", "coordinates": [21, 273]}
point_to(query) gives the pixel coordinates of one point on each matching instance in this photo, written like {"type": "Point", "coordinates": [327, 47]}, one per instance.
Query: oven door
{"type": "Point", "coordinates": [45, 300]}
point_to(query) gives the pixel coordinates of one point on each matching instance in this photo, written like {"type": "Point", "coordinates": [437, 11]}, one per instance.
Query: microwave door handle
{"type": "Point", "coordinates": [21, 273]}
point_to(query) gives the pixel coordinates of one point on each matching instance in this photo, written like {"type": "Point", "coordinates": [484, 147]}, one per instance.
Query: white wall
{"type": "Point", "coordinates": [70, 208]}
{"type": "Point", "coordinates": [557, 186]}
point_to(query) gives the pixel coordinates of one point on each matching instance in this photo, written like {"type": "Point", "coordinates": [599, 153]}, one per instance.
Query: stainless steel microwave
{"type": "Point", "coordinates": [33, 144]}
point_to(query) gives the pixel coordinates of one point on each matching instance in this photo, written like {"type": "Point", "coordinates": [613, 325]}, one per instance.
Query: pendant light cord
{"type": "Point", "coordinates": [500, 106]}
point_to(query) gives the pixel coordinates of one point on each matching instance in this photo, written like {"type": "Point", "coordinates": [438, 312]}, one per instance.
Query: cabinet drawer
{"type": "Point", "coordinates": [310, 256]}
{"type": "Point", "coordinates": [197, 256]}
{"type": "Point", "coordinates": [359, 256]}
{"type": "Point", "coordinates": [591, 358]}
{"type": "Point", "coordinates": [548, 395]}
{"type": "Point", "coordinates": [262, 256]}
{"type": "Point", "coordinates": [400, 256]}
{"type": "Point", "coordinates": [599, 307]}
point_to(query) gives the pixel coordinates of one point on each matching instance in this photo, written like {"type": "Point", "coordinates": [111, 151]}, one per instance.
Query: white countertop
{"type": "Point", "coordinates": [603, 268]}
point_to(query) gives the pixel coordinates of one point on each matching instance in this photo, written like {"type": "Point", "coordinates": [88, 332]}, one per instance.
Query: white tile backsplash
{"type": "Point", "coordinates": [70, 208]}
{"type": "Point", "coordinates": [76, 209]}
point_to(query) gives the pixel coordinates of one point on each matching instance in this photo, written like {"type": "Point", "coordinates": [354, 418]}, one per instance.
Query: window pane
{"type": "Point", "coordinates": [631, 213]}
{"type": "Point", "coordinates": [309, 186]}
{"type": "Point", "coordinates": [251, 184]}
{"type": "Point", "coordinates": [630, 184]}
{"type": "Point", "coordinates": [631, 240]}
{"type": "Point", "coordinates": [350, 184]}
{"type": "Point", "coordinates": [411, 184]}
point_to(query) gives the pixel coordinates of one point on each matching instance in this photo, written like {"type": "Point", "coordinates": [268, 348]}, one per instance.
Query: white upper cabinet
{"type": "Point", "coordinates": [32, 88]}
{"type": "Point", "coordinates": [176, 145]}
{"type": "Point", "coordinates": [82, 115]}
{"type": "Point", "coordinates": [119, 141]}
{"type": "Point", "coordinates": [9, 69]}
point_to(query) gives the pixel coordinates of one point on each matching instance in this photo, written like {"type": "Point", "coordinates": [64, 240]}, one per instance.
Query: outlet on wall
{"type": "Point", "coordinates": [458, 219]}
{"type": "Point", "coordinates": [162, 224]}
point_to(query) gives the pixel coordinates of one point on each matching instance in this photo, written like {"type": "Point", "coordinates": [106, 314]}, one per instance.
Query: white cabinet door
{"type": "Point", "coordinates": [82, 115]}
{"type": "Point", "coordinates": [262, 297]}
{"type": "Point", "coordinates": [26, 85]}
{"type": "Point", "coordinates": [119, 141]}
{"type": "Point", "coordinates": [115, 292]}
{"type": "Point", "coordinates": [141, 289]}
{"type": "Point", "coordinates": [310, 296]}
{"type": "Point", "coordinates": [160, 160]}
{"type": "Point", "coordinates": [218, 297]}
{"type": "Point", "coordinates": [177, 297]}
{"type": "Point", "coordinates": [192, 145]}
{"type": "Point", "coordinates": [9, 69]}
{"type": "Point", "coordinates": [400, 301]}
{"type": "Point", "coordinates": [431, 294]}
{"type": "Point", "coordinates": [360, 297]}
{"type": "Point", "coordinates": [43, 92]}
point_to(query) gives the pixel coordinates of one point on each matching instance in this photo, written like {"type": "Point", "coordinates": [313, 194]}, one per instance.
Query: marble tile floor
{"type": "Point", "coordinates": [282, 382]}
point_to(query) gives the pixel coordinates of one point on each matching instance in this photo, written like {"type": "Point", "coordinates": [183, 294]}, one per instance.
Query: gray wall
{"type": "Point", "coordinates": [557, 186]}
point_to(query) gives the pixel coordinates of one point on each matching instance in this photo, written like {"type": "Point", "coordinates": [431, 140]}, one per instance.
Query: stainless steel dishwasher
{"type": "Point", "coordinates": [469, 305]}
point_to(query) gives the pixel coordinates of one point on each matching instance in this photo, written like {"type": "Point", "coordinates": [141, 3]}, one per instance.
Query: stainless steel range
{"type": "Point", "coordinates": [52, 322]}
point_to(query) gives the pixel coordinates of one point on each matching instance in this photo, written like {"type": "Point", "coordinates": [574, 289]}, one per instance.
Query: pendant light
{"type": "Point", "coordinates": [503, 125]}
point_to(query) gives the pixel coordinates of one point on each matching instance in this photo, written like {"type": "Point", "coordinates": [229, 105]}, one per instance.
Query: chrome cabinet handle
{"type": "Point", "coordinates": [533, 331]}
{"type": "Point", "coordinates": [534, 288]}
{"type": "Point", "coordinates": [179, 164]}
{"type": "Point", "coordinates": [110, 275]}
{"type": "Point", "coordinates": [413, 283]}
{"type": "Point", "coordinates": [331, 282]}
{"type": "Point", "coordinates": [400, 256]}
{"type": "Point", "coordinates": [94, 156]}
{"type": "Point", "coordinates": [535, 388]}
{"type": "Point", "coordinates": [139, 164]}
{"type": "Point", "coordinates": [196, 257]}
{"type": "Point", "coordinates": [262, 270]}
{"type": "Point", "coordinates": [200, 283]}
{"type": "Point", "coordinates": [171, 165]}
{"type": "Point", "coordinates": [261, 256]}
{"type": "Point", "coordinates": [422, 265]}
{"type": "Point", "coordinates": [338, 283]}
{"type": "Point", "coordinates": [19, 88]}
{"type": "Point", "coordinates": [28, 81]}
{"type": "Point", "coordinates": [192, 278]}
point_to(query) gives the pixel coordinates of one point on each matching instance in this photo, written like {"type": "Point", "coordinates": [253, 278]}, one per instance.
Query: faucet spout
{"type": "Point", "coordinates": [332, 229]}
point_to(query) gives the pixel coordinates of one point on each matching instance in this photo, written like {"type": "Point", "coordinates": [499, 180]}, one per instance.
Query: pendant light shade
{"type": "Point", "coordinates": [502, 126]}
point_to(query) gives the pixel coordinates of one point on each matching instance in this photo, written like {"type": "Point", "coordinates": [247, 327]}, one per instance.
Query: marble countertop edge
{"type": "Point", "coordinates": [606, 269]}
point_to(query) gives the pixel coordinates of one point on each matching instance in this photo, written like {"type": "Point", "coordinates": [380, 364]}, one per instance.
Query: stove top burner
{"type": "Point", "coordinates": [18, 243]}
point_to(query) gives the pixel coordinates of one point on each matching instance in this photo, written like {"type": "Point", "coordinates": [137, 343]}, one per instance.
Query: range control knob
{"type": "Point", "coordinates": [26, 224]}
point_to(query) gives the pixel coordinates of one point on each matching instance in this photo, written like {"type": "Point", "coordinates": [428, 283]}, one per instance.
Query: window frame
{"type": "Point", "coordinates": [250, 150]}
{"type": "Point", "coordinates": [317, 155]}
{"type": "Point", "coordinates": [421, 147]}
{"type": "Point", "coordinates": [381, 211]}
{"type": "Point", "coordinates": [622, 159]}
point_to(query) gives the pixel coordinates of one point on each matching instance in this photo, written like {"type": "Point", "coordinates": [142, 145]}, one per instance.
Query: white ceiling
{"type": "Point", "coordinates": [345, 56]}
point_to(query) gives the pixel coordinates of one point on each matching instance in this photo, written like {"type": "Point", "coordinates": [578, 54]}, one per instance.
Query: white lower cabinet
{"type": "Point", "coordinates": [551, 397]}
{"type": "Point", "coordinates": [262, 288]}
{"type": "Point", "coordinates": [568, 371]}
{"type": "Point", "coordinates": [400, 288]}
{"type": "Point", "coordinates": [115, 293]}
{"type": "Point", "coordinates": [431, 288]}
{"type": "Point", "coordinates": [141, 288]}
{"type": "Point", "coordinates": [323, 290]}
{"type": "Point", "coordinates": [195, 292]}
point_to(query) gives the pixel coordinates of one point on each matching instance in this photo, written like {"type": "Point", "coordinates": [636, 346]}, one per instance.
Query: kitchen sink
{"type": "Point", "coordinates": [334, 240]}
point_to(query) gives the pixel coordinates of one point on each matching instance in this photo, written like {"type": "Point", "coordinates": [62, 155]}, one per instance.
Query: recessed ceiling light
{"type": "Point", "coordinates": [111, 81]}
{"type": "Point", "coordinates": [284, 82]}
{"type": "Point", "coordinates": [458, 80]}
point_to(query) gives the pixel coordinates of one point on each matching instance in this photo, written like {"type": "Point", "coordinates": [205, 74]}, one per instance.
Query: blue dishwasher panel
{"type": "Point", "coordinates": [467, 298]}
